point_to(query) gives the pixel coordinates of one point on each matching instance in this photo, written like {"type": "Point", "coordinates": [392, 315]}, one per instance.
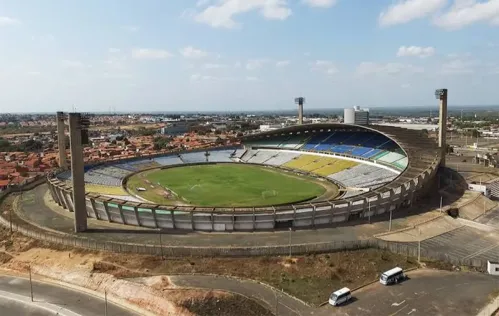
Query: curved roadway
{"type": "Point", "coordinates": [51, 300]}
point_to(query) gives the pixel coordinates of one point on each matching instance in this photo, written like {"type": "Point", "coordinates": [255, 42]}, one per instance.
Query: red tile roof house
{"type": "Point", "coordinates": [4, 184]}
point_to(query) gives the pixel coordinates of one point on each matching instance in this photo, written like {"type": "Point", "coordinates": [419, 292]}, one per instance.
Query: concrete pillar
{"type": "Point", "coordinates": [300, 114]}
{"type": "Point", "coordinates": [442, 133]}
{"type": "Point", "coordinates": [77, 171]}
{"type": "Point", "coordinates": [61, 140]}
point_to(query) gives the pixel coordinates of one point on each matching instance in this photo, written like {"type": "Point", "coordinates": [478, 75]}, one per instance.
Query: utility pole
{"type": "Point", "coordinates": [419, 250]}
{"type": "Point", "coordinates": [290, 230]}
{"type": "Point", "coordinates": [105, 302]}
{"type": "Point", "coordinates": [30, 284]}
{"type": "Point", "coordinates": [441, 202]}
{"type": "Point", "coordinates": [369, 210]}
{"type": "Point", "coordinates": [390, 226]}
{"type": "Point", "coordinates": [161, 246]}
{"type": "Point", "coordinates": [276, 303]}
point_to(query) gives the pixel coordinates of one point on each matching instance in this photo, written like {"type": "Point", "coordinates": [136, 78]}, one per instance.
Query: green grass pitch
{"type": "Point", "coordinates": [228, 185]}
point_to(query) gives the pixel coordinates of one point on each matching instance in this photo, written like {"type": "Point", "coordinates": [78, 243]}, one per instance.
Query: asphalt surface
{"type": "Point", "coordinates": [271, 298]}
{"type": "Point", "coordinates": [425, 293]}
{"type": "Point", "coordinates": [50, 300]}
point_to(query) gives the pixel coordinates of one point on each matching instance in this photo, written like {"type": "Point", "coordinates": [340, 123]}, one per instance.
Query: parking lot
{"type": "Point", "coordinates": [425, 292]}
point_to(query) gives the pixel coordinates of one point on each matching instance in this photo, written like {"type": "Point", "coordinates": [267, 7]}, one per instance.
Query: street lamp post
{"type": "Point", "coordinates": [30, 284]}
{"type": "Point", "coordinates": [369, 210]}
{"type": "Point", "coordinates": [290, 230]}
{"type": "Point", "coordinates": [390, 225]}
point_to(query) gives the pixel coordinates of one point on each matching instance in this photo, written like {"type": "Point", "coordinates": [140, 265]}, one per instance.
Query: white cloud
{"type": "Point", "coordinates": [325, 66]}
{"type": "Point", "coordinates": [214, 66]}
{"type": "Point", "coordinates": [282, 63]}
{"type": "Point", "coordinates": [415, 51]}
{"type": "Point", "coordinates": [408, 10]}
{"type": "Point", "coordinates": [320, 3]}
{"type": "Point", "coordinates": [459, 66]}
{"type": "Point", "coordinates": [131, 28]}
{"type": "Point", "coordinates": [5, 20]}
{"type": "Point", "coordinates": [238, 64]}
{"type": "Point", "coordinates": [191, 52]}
{"type": "Point", "coordinates": [73, 64]}
{"type": "Point", "coordinates": [149, 53]}
{"type": "Point", "coordinates": [113, 50]}
{"type": "Point", "coordinates": [200, 77]}
{"type": "Point", "coordinates": [34, 73]}
{"type": "Point", "coordinates": [254, 64]}
{"type": "Point", "coordinates": [250, 78]}
{"type": "Point", "coordinates": [467, 12]}
{"type": "Point", "coordinates": [405, 85]}
{"type": "Point", "coordinates": [222, 15]}
{"type": "Point", "coordinates": [202, 3]}
{"type": "Point", "coordinates": [368, 68]}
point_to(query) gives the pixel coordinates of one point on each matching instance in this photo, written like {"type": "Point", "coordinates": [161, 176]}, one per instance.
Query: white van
{"type": "Point", "coordinates": [340, 296]}
{"type": "Point", "coordinates": [394, 275]}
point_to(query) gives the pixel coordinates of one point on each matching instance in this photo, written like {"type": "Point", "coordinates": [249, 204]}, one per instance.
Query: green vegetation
{"type": "Point", "coordinates": [227, 185]}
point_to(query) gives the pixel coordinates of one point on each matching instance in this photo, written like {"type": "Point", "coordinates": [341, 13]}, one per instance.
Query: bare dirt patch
{"type": "Point", "coordinates": [224, 305]}
{"type": "Point", "coordinates": [311, 277]}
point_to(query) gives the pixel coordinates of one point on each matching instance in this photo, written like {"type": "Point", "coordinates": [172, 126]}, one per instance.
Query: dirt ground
{"type": "Point", "coordinates": [310, 278]}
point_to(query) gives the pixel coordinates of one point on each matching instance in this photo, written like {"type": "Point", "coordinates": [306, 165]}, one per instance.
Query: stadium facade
{"type": "Point", "coordinates": [379, 169]}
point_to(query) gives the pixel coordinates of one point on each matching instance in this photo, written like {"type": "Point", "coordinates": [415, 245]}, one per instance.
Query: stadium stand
{"type": "Point", "coordinates": [363, 176]}
{"type": "Point", "coordinates": [272, 143]}
{"type": "Point", "coordinates": [293, 142]}
{"type": "Point", "coordinates": [193, 157]}
{"type": "Point", "coordinates": [261, 156]}
{"type": "Point", "coordinates": [238, 153]}
{"type": "Point", "coordinates": [248, 155]}
{"type": "Point", "coordinates": [281, 158]}
{"type": "Point", "coordinates": [391, 157]}
{"type": "Point", "coordinates": [145, 164]}
{"type": "Point", "coordinates": [337, 166]}
{"type": "Point", "coordinates": [106, 190]}
{"type": "Point", "coordinates": [220, 156]}
{"type": "Point", "coordinates": [169, 160]}
{"type": "Point", "coordinates": [318, 163]}
{"type": "Point", "coordinates": [300, 161]}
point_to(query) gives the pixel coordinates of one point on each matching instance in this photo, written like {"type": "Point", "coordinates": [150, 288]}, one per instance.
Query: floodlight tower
{"type": "Point", "coordinates": [78, 135]}
{"type": "Point", "coordinates": [300, 101]}
{"type": "Point", "coordinates": [61, 140]}
{"type": "Point", "coordinates": [441, 95]}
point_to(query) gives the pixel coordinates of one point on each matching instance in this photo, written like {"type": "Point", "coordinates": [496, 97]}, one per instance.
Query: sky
{"type": "Point", "coordinates": [236, 55]}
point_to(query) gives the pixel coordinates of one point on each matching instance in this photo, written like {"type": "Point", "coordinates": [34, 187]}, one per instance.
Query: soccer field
{"type": "Point", "coordinates": [228, 185]}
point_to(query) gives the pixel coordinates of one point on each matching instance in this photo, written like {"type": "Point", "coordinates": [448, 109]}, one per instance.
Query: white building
{"type": "Point", "coordinates": [356, 115]}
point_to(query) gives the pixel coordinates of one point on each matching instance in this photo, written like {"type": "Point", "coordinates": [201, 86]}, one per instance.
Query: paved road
{"type": "Point", "coordinates": [50, 300]}
{"type": "Point", "coordinates": [426, 293]}
{"type": "Point", "coordinates": [286, 305]}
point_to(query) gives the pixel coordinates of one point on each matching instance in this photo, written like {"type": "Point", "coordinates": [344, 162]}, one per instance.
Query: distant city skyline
{"type": "Point", "coordinates": [229, 55]}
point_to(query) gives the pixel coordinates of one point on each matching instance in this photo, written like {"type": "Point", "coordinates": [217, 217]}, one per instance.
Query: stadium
{"type": "Point", "coordinates": [296, 177]}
